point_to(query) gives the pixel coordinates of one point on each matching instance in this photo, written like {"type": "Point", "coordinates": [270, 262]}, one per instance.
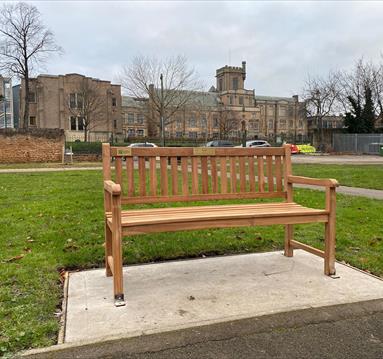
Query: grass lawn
{"type": "Point", "coordinates": [366, 176]}
{"type": "Point", "coordinates": [54, 220]}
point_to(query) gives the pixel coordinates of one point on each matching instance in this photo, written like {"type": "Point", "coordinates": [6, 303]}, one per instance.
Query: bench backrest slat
{"type": "Point", "coordinates": [194, 174]}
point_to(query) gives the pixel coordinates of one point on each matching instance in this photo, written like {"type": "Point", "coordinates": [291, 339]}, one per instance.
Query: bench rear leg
{"type": "Point", "coordinates": [329, 242]}
{"type": "Point", "coordinates": [289, 235]}
{"type": "Point", "coordinates": [108, 249]}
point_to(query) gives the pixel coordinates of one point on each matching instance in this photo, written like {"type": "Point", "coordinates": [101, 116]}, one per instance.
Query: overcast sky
{"type": "Point", "coordinates": [282, 42]}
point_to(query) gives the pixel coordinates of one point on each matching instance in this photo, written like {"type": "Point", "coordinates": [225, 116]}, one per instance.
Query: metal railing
{"type": "Point", "coordinates": [358, 143]}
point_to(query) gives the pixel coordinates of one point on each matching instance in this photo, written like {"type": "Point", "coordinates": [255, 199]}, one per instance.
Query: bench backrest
{"type": "Point", "coordinates": [172, 174]}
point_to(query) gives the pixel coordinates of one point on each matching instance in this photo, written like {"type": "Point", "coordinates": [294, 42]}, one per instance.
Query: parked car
{"type": "Point", "coordinates": [143, 144]}
{"type": "Point", "coordinates": [219, 143]}
{"type": "Point", "coordinates": [294, 148]}
{"type": "Point", "coordinates": [256, 143]}
{"type": "Point", "coordinates": [306, 148]}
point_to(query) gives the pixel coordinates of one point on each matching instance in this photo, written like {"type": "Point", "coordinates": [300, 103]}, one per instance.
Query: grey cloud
{"type": "Point", "coordinates": [281, 41]}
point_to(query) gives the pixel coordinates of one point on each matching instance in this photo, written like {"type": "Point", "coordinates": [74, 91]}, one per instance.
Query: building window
{"type": "Point", "coordinates": [282, 124]}
{"type": "Point", "coordinates": [291, 123]}
{"type": "Point", "coordinates": [270, 110]}
{"type": "Point", "coordinates": [140, 119]}
{"type": "Point", "coordinates": [72, 100]}
{"type": "Point", "coordinates": [235, 83]}
{"type": "Point", "coordinates": [231, 100]}
{"type": "Point", "coordinates": [256, 125]}
{"type": "Point", "coordinates": [192, 134]}
{"type": "Point", "coordinates": [80, 102]}
{"type": "Point", "coordinates": [115, 123]}
{"type": "Point", "coordinates": [32, 96]}
{"type": "Point", "coordinates": [73, 125]}
{"type": "Point", "coordinates": [114, 102]}
{"type": "Point", "coordinates": [179, 123]}
{"type": "Point", "coordinates": [282, 110]}
{"type": "Point", "coordinates": [270, 124]}
{"type": "Point", "coordinates": [300, 123]}
{"type": "Point", "coordinates": [203, 121]}
{"type": "Point", "coordinates": [80, 123]}
{"type": "Point", "coordinates": [77, 123]}
{"type": "Point", "coordinates": [140, 133]}
{"type": "Point", "coordinates": [220, 85]}
{"type": "Point", "coordinates": [130, 118]}
{"type": "Point", "coordinates": [32, 120]}
{"type": "Point", "coordinates": [241, 100]}
{"type": "Point", "coordinates": [215, 122]}
{"type": "Point", "coordinates": [192, 121]}
{"type": "Point", "coordinates": [131, 132]}
{"type": "Point", "coordinates": [179, 134]}
{"type": "Point", "coordinates": [76, 100]}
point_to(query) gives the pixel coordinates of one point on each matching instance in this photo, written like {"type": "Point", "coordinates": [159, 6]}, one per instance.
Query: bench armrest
{"type": "Point", "coordinates": [112, 188]}
{"type": "Point", "coordinates": [328, 182]}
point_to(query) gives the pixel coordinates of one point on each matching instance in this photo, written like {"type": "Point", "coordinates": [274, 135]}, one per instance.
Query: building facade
{"type": "Point", "coordinates": [82, 106]}
{"type": "Point", "coordinates": [92, 109]}
{"type": "Point", "coordinates": [225, 111]}
{"type": "Point", "coordinates": [6, 103]}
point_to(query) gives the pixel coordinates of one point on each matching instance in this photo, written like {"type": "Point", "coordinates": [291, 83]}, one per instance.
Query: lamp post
{"type": "Point", "coordinates": [162, 124]}
{"type": "Point", "coordinates": [243, 127]}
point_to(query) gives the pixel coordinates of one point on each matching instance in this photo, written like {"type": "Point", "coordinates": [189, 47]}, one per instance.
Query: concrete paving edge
{"type": "Point", "coordinates": [221, 331]}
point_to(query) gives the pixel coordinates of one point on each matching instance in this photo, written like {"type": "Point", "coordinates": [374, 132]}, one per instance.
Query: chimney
{"type": "Point", "coordinates": [295, 97]}
{"type": "Point", "coordinates": [244, 70]}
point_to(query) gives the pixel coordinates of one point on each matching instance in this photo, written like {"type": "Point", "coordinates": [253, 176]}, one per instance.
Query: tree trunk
{"type": "Point", "coordinates": [26, 101]}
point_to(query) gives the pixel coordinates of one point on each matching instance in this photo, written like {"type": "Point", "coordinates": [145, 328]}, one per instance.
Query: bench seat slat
{"type": "Point", "coordinates": [205, 213]}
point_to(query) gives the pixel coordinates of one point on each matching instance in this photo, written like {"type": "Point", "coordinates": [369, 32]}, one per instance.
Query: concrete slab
{"type": "Point", "coordinates": [184, 294]}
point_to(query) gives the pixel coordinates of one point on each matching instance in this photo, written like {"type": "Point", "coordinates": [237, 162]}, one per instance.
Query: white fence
{"type": "Point", "coordinates": [359, 143]}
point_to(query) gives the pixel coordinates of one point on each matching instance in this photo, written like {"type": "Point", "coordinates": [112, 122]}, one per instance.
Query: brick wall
{"type": "Point", "coordinates": [39, 145]}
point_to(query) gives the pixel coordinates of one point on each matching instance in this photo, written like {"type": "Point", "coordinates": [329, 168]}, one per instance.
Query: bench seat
{"type": "Point", "coordinates": [199, 217]}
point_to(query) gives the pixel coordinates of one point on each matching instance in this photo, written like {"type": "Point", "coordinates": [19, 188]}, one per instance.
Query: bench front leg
{"type": "Point", "coordinates": [117, 251]}
{"type": "Point", "coordinates": [329, 251]}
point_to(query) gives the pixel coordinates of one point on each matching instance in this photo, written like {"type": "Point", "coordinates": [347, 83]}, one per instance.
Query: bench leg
{"type": "Point", "coordinates": [329, 251]}
{"type": "Point", "coordinates": [108, 249]}
{"type": "Point", "coordinates": [289, 235]}
{"type": "Point", "coordinates": [118, 286]}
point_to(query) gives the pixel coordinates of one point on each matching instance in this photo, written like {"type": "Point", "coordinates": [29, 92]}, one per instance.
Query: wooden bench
{"type": "Point", "coordinates": [154, 175]}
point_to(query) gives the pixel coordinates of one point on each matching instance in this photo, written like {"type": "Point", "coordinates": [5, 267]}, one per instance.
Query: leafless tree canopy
{"type": "Point", "coordinates": [328, 95]}
{"type": "Point", "coordinates": [25, 43]}
{"type": "Point", "coordinates": [142, 79]}
{"type": "Point", "coordinates": [227, 122]}
{"type": "Point", "coordinates": [321, 95]}
{"type": "Point", "coordinates": [87, 104]}
{"type": "Point", "coordinates": [365, 74]}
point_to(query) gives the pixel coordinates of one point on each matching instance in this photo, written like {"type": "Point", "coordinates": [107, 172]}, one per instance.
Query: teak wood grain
{"type": "Point", "coordinates": [157, 175]}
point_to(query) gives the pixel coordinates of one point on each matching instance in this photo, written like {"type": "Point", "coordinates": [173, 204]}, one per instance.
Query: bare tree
{"type": "Point", "coordinates": [87, 105]}
{"type": "Point", "coordinates": [227, 122]}
{"type": "Point", "coordinates": [353, 83]}
{"type": "Point", "coordinates": [170, 85]}
{"type": "Point", "coordinates": [321, 95]}
{"type": "Point", "coordinates": [25, 44]}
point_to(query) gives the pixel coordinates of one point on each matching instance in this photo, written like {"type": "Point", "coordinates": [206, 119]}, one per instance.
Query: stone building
{"type": "Point", "coordinates": [74, 103]}
{"type": "Point", "coordinates": [225, 111]}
